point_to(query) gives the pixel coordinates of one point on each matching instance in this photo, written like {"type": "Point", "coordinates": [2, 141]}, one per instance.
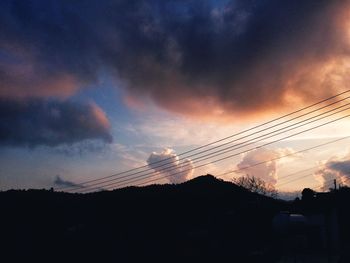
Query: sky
{"type": "Point", "coordinates": [93, 88]}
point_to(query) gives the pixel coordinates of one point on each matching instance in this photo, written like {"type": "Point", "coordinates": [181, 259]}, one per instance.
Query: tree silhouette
{"type": "Point", "coordinates": [256, 185]}
{"type": "Point", "coordinates": [307, 194]}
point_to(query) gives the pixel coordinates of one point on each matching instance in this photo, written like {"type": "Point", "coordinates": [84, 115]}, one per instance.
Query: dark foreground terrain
{"type": "Point", "coordinates": [203, 220]}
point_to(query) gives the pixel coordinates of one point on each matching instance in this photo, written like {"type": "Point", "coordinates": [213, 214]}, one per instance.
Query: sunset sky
{"type": "Point", "coordinates": [92, 88]}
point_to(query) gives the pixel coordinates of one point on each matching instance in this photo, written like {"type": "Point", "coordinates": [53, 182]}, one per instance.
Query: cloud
{"type": "Point", "coordinates": [266, 171]}
{"type": "Point", "coordinates": [176, 170]}
{"type": "Point", "coordinates": [65, 183]}
{"type": "Point", "coordinates": [82, 148]}
{"type": "Point", "coordinates": [334, 168]}
{"type": "Point", "coordinates": [199, 58]}
{"type": "Point", "coordinates": [51, 123]}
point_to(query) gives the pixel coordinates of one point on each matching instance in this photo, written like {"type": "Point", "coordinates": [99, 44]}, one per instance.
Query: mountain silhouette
{"type": "Point", "coordinates": [201, 220]}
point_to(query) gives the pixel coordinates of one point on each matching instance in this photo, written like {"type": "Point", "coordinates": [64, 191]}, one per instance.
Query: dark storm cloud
{"type": "Point", "coordinates": [51, 123]}
{"type": "Point", "coordinates": [194, 57]}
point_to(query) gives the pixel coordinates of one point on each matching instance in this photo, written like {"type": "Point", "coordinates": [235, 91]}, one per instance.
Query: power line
{"type": "Point", "coordinates": [230, 156]}
{"type": "Point", "coordinates": [284, 156]}
{"type": "Point", "coordinates": [326, 185]}
{"type": "Point", "coordinates": [218, 154]}
{"type": "Point", "coordinates": [229, 149]}
{"type": "Point", "coordinates": [221, 152]}
{"type": "Point", "coordinates": [212, 143]}
{"type": "Point", "coordinates": [330, 182]}
{"type": "Point", "coordinates": [298, 172]}
{"type": "Point", "coordinates": [299, 177]}
{"type": "Point", "coordinates": [295, 179]}
{"type": "Point", "coordinates": [133, 179]}
{"type": "Point", "coordinates": [281, 129]}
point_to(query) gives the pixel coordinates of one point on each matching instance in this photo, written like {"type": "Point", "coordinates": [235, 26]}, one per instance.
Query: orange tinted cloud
{"type": "Point", "coordinates": [297, 54]}
{"type": "Point", "coordinates": [206, 60]}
